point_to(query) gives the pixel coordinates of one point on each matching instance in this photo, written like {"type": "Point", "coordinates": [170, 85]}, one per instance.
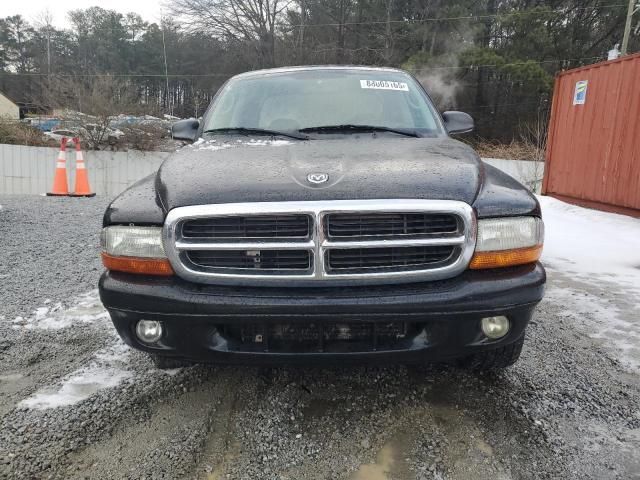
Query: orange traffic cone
{"type": "Point", "coordinates": [82, 179]}
{"type": "Point", "coordinates": [60, 186]}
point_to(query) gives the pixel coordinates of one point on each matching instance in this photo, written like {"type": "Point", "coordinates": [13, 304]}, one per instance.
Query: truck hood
{"type": "Point", "coordinates": [359, 167]}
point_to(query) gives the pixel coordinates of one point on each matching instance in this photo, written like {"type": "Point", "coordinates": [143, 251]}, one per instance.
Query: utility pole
{"type": "Point", "coordinates": [303, 12]}
{"type": "Point", "coordinates": [166, 69]}
{"type": "Point", "coordinates": [634, 6]}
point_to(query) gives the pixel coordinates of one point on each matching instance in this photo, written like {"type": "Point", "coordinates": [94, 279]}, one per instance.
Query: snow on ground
{"type": "Point", "coordinates": [86, 309]}
{"type": "Point", "coordinates": [105, 370]}
{"type": "Point", "coordinates": [594, 261]}
{"type": "Point", "coordinates": [601, 318]}
{"type": "Point", "coordinates": [590, 244]}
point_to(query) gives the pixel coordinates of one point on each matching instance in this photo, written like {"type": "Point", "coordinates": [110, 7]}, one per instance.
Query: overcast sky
{"type": "Point", "coordinates": [148, 9]}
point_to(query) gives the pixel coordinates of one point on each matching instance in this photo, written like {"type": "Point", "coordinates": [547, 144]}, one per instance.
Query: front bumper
{"type": "Point", "coordinates": [222, 324]}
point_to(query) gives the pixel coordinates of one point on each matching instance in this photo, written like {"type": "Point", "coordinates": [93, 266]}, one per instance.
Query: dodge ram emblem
{"type": "Point", "coordinates": [318, 178]}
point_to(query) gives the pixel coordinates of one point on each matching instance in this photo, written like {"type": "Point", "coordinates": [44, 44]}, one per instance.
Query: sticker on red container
{"type": "Point", "coordinates": [580, 94]}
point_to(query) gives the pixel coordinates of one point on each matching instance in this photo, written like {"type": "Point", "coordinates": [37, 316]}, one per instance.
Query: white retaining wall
{"type": "Point", "coordinates": [530, 174]}
{"type": "Point", "coordinates": [29, 170]}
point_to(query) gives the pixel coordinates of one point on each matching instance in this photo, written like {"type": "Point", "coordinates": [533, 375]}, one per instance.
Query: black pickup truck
{"type": "Point", "coordinates": [324, 214]}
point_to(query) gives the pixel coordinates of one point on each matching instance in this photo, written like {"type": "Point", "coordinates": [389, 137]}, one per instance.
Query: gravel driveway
{"type": "Point", "coordinates": [76, 403]}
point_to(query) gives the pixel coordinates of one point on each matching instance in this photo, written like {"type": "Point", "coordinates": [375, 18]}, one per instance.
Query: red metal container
{"type": "Point", "coordinates": [593, 150]}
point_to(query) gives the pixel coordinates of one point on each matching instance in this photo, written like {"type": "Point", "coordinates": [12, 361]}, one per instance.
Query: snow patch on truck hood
{"type": "Point", "coordinates": [213, 145]}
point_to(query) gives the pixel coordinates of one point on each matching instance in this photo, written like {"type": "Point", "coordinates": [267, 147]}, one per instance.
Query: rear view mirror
{"type": "Point", "coordinates": [457, 122]}
{"type": "Point", "coordinates": [185, 130]}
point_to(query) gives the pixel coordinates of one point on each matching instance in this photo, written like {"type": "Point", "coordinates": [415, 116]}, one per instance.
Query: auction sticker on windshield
{"type": "Point", "coordinates": [384, 85]}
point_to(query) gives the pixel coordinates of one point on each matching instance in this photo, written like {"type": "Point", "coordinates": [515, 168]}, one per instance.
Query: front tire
{"type": "Point", "coordinates": [166, 363]}
{"type": "Point", "coordinates": [497, 359]}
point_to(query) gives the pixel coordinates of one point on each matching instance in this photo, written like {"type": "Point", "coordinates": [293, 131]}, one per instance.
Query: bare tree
{"type": "Point", "coordinates": [534, 136]}
{"type": "Point", "coordinates": [253, 21]}
{"type": "Point", "coordinates": [44, 23]}
{"type": "Point", "coordinates": [92, 104]}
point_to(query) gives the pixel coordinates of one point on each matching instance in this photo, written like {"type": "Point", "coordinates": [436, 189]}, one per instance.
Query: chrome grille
{"type": "Point", "coordinates": [340, 242]}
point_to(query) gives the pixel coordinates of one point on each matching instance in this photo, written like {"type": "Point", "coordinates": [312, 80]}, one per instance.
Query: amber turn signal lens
{"type": "Point", "coordinates": [505, 258]}
{"type": "Point", "coordinates": [141, 266]}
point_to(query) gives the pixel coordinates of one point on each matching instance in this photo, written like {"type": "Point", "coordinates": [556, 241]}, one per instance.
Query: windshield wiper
{"type": "Point", "coordinates": [256, 131]}
{"type": "Point", "coordinates": [359, 128]}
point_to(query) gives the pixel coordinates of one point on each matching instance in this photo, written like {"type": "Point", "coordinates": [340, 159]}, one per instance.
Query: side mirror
{"type": "Point", "coordinates": [185, 130]}
{"type": "Point", "coordinates": [457, 122]}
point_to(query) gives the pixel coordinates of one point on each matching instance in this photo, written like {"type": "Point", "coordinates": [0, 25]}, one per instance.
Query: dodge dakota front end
{"type": "Point", "coordinates": [324, 214]}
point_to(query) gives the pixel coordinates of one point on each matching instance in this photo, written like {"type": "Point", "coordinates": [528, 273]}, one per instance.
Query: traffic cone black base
{"type": "Point", "coordinates": [81, 195]}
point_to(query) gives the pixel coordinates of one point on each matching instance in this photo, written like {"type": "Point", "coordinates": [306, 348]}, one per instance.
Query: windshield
{"type": "Point", "coordinates": [296, 100]}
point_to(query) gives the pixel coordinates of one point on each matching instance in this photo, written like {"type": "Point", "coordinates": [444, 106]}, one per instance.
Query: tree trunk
{"type": "Point", "coordinates": [303, 19]}
{"type": "Point", "coordinates": [340, 43]}
{"type": "Point", "coordinates": [388, 41]}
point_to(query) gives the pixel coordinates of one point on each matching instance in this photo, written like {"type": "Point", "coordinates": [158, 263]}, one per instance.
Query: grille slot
{"type": "Point", "coordinates": [353, 260]}
{"type": "Point", "coordinates": [262, 226]}
{"type": "Point", "coordinates": [389, 225]}
{"type": "Point", "coordinates": [253, 260]}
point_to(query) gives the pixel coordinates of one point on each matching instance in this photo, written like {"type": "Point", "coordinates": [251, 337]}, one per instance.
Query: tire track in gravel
{"type": "Point", "coordinates": [148, 446]}
{"type": "Point", "coordinates": [366, 423]}
{"type": "Point", "coordinates": [221, 448]}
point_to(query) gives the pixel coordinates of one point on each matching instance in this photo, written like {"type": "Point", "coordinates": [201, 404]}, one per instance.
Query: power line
{"type": "Point", "coordinates": [528, 62]}
{"type": "Point", "coordinates": [228, 75]}
{"type": "Point", "coordinates": [464, 17]}
{"type": "Point", "coordinates": [500, 105]}
{"type": "Point", "coordinates": [135, 75]}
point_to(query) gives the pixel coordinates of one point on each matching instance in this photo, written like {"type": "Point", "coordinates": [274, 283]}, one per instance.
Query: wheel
{"type": "Point", "coordinates": [502, 357]}
{"type": "Point", "coordinates": [166, 363]}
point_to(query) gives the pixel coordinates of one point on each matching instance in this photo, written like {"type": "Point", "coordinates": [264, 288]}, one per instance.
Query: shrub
{"type": "Point", "coordinates": [19, 133]}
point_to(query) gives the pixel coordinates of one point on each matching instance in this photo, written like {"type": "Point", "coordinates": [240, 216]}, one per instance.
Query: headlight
{"type": "Point", "coordinates": [134, 250]}
{"type": "Point", "coordinates": [504, 242]}
{"type": "Point", "coordinates": [145, 242]}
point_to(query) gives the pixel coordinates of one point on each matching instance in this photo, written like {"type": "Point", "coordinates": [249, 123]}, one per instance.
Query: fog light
{"type": "Point", "coordinates": [149, 331]}
{"type": "Point", "coordinates": [495, 327]}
